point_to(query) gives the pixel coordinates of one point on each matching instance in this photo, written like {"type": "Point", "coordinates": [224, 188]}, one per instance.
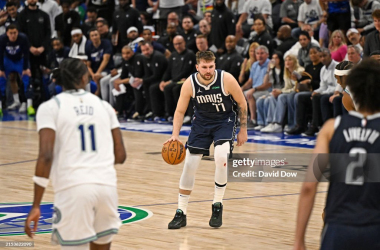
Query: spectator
{"type": "Point", "coordinates": [365, 24]}
{"type": "Point", "coordinates": [205, 29]}
{"type": "Point", "coordinates": [124, 18]}
{"type": "Point", "coordinates": [167, 41]}
{"type": "Point", "coordinates": [324, 32]}
{"type": "Point", "coordinates": [303, 53]}
{"type": "Point", "coordinates": [354, 38]}
{"type": "Point", "coordinates": [353, 54]}
{"type": "Point", "coordinates": [79, 43]}
{"type": "Point", "coordinates": [296, 47]}
{"type": "Point", "coordinates": [263, 37]}
{"type": "Point", "coordinates": [223, 24]}
{"type": "Point", "coordinates": [10, 17]}
{"type": "Point", "coordinates": [286, 38]}
{"type": "Point", "coordinates": [103, 29]}
{"type": "Point", "coordinates": [89, 23]}
{"type": "Point", "coordinates": [275, 77]}
{"type": "Point", "coordinates": [372, 41]}
{"type": "Point", "coordinates": [230, 61]}
{"type": "Point", "coordinates": [247, 63]}
{"type": "Point", "coordinates": [165, 7]}
{"type": "Point", "coordinates": [147, 35]}
{"type": "Point", "coordinates": [105, 8]}
{"type": "Point", "coordinates": [339, 15]}
{"type": "Point", "coordinates": [337, 46]}
{"type": "Point", "coordinates": [280, 98]}
{"type": "Point", "coordinates": [289, 12]}
{"type": "Point", "coordinates": [99, 54]}
{"type": "Point", "coordinates": [249, 13]}
{"type": "Point", "coordinates": [201, 42]}
{"type": "Point", "coordinates": [189, 33]}
{"type": "Point", "coordinates": [52, 8]}
{"type": "Point", "coordinates": [204, 7]}
{"type": "Point", "coordinates": [65, 22]}
{"type": "Point", "coordinates": [57, 55]}
{"type": "Point", "coordinates": [155, 64]}
{"type": "Point", "coordinates": [255, 87]}
{"type": "Point", "coordinates": [310, 12]}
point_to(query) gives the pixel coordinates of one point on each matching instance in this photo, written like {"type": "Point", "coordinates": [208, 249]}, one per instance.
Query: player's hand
{"type": "Point", "coordinates": [34, 215]}
{"type": "Point", "coordinates": [242, 137]}
{"type": "Point", "coordinates": [173, 138]}
{"type": "Point", "coordinates": [26, 72]}
{"type": "Point", "coordinates": [299, 246]}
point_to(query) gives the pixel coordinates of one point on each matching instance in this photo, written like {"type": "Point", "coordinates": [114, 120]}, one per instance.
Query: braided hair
{"type": "Point", "coordinates": [69, 74]}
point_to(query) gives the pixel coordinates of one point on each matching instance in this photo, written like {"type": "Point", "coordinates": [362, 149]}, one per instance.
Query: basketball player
{"type": "Point", "coordinates": [217, 98]}
{"type": "Point", "coordinates": [352, 218]}
{"type": "Point", "coordinates": [80, 141]}
{"type": "Point", "coordinates": [341, 71]}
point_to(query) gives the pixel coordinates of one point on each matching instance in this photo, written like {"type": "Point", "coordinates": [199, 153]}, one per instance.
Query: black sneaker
{"type": "Point", "coordinates": [295, 131]}
{"type": "Point", "coordinates": [310, 132]}
{"type": "Point", "coordinates": [216, 217]}
{"type": "Point", "coordinates": [178, 221]}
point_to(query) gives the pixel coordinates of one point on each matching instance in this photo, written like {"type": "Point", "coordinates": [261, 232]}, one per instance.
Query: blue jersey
{"type": "Point", "coordinates": [211, 102]}
{"type": "Point", "coordinates": [15, 51]}
{"type": "Point", "coordinates": [353, 197]}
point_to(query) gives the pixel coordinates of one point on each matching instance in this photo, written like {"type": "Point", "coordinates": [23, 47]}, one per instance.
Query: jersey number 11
{"type": "Point", "coordinates": [91, 130]}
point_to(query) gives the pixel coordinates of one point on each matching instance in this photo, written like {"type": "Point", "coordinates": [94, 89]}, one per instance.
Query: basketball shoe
{"type": "Point", "coordinates": [178, 221]}
{"type": "Point", "coordinates": [216, 217]}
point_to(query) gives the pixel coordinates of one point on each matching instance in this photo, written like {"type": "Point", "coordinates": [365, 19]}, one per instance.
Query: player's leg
{"type": "Point", "coordinates": [198, 144]}
{"type": "Point", "coordinates": [94, 246]}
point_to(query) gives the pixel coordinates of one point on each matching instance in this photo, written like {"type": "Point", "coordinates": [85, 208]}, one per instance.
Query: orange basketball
{"type": "Point", "coordinates": [173, 152]}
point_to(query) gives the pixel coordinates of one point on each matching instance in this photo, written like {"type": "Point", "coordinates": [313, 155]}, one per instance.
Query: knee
{"type": "Point", "coordinates": [221, 154]}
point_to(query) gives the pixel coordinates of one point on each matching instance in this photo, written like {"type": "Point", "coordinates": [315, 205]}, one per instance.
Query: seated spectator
{"type": "Point", "coordinates": [296, 47]}
{"type": "Point", "coordinates": [103, 28]}
{"type": "Point", "coordinates": [324, 32]}
{"type": "Point", "coordinates": [201, 43]}
{"type": "Point", "coordinates": [131, 74]}
{"type": "Point", "coordinates": [337, 46]}
{"type": "Point", "coordinates": [79, 43]}
{"type": "Point", "coordinates": [167, 40]}
{"type": "Point", "coordinates": [275, 76]}
{"type": "Point", "coordinates": [231, 60]}
{"type": "Point", "coordinates": [147, 35]}
{"type": "Point", "coordinates": [303, 53]}
{"type": "Point", "coordinates": [89, 23]}
{"type": "Point", "coordinates": [247, 64]}
{"type": "Point", "coordinates": [285, 37]}
{"type": "Point", "coordinates": [353, 54]}
{"type": "Point", "coordinates": [289, 12]}
{"type": "Point", "coordinates": [99, 53]}
{"type": "Point", "coordinates": [280, 98]}
{"type": "Point", "coordinates": [263, 37]}
{"type": "Point", "coordinates": [255, 87]}
{"type": "Point", "coordinates": [10, 17]}
{"type": "Point", "coordinates": [181, 64]}
{"type": "Point", "coordinates": [372, 41]}
{"type": "Point", "coordinates": [205, 29]}
{"type": "Point", "coordinates": [65, 22]}
{"type": "Point", "coordinates": [365, 23]}
{"type": "Point", "coordinates": [310, 12]}
{"type": "Point", "coordinates": [189, 33]}
{"type": "Point", "coordinates": [354, 38]}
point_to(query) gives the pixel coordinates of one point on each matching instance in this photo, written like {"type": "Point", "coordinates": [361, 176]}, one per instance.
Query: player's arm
{"type": "Point", "coordinates": [232, 87]}
{"type": "Point", "coordinates": [44, 162]}
{"type": "Point", "coordinates": [118, 146]}
{"type": "Point", "coordinates": [347, 102]}
{"type": "Point", "coordinates": [103, 65]}
{"type": "Point", "coordinates": [309, 187]}
{"type": "Point", "coordinates": [183, 103]}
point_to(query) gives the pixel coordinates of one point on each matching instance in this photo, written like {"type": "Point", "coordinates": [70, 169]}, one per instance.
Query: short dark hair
{"type": "Point", "coordinates": [376, 14]}
{"type": "Point", "coordinates": [92, 30]}
{"type": "Point", "coordinates": [10, 4]}
{"type": "Point", "coordinates": [70, 72]}
{"type": "Point", "coordinates": [92, 9]}
{"type": "Point", "coordinates": [56, 39]}
{"type": "Point", "coordinates": [101, 20]}
{"type": "Point", "coordinates": [205, 55]}
{"type": "Point", "coordinates": [304, 33]}
{"type": "Point", "coordinates": [363, 82]}
{"type": "Point", "coordinates": [146, 43]}
{"type": "Point", "coordinates": [260, 17]}
{"type": "Point", "coordinates": [12, 27]}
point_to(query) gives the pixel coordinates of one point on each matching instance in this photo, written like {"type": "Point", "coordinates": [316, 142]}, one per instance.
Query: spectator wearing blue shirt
{"type": "Point", "coordinates": [14, 58]}
{"type": "Point", "coordinates": [99, 54]}
{"type": "Point", "coordinates": [255, 87]}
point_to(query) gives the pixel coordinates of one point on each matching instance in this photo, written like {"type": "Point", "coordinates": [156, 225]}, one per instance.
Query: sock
{"type": "Point", "coordinates": [30, 102]}
{"type": "Point", "coordinates": [253, 121]}
{"type": "Point", "coordinates": [1, 105]}
{"type": "Point", "coordinates": [183, 200]}
{"type": "Point", "coordinates": [16, 98]}
{"type": "Point", "coordinates": [219, 193]}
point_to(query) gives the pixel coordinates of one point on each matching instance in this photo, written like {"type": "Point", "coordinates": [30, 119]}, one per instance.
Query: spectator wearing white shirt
{"type": "Point", "coordinates": [296, 47]}
{"type": "Point", "coordinates": [310, 12]}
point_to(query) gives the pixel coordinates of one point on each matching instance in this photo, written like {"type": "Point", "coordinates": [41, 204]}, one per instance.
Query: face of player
{"type": "Point", "coordinates": [314, 56]}
{"type": "Point", "coordinates": [204, 27]}
{"type": "Point", "coordinates": [304, 41]}
{"type": "Point", "coordinates": [341, 80]}
{"type": "Point", "coordinates": [206, 69]}
{"type": "Point", "coordinates": [353, 56]}
{"type": "Point", "coordinates": [147, 35]}
{"type": "Point", "coordinates": [76, 38]}
{"type": "Point", "coordinates": [261, 56]}
{"type": "Point", "coordinates": [95, 37]}
{"type": "Point", "coordinates": [187, 24]}
{"type": "Point", "coordinates": [201, 44]}
{"type": "Point", "coordinates": [259, 26]}
{"type": "Point", "coordinates": [354, 38]}
{"type": "Point", "coordinates": [126, 54]}
{"type": "Point", "coordinates": [12, 35]}
{"type": "Point", "coordinates": [57, 45]}
{"type": "Point", "coordinates": [376, 22]}
{"type": "Point", "coordinates": [12, 11]}
{"type": "Point", "coordinates": [146, 50]}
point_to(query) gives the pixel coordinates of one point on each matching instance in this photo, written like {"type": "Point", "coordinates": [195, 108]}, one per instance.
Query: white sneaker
{"type": "Point", "coordinates": [14, 105]}
{"type": "Point", "coordinates": [22, 108]}
{"type": "Point", "coordinates": [259, 127]}
{"type": "Point", "coordinates": [286, 128]}
{"type": "Point", "coordinates": [277, 128]}
{"type": "Point", "coordinates": [267, 129]}
{"type": "Point", "coordinates": [186, 119]}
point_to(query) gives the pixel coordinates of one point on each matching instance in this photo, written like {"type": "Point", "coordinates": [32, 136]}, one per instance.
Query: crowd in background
{"type": "Point", "coordinates": [139, 52]}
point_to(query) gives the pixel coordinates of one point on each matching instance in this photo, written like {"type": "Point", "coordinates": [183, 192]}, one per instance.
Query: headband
{"type": "Point", "coordinates": [343, 72]}
{"type": "Point", "coordinates": [76, 31]}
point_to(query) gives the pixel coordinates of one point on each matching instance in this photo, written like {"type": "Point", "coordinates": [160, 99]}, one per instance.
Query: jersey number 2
{"type": "Point", "coordinates": [359, 164]}
{"type": "Point", "coordinates": [91, 129]}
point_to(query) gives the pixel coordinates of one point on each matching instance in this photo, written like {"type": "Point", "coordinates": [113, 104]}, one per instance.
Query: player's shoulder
{"type": "Point", "coordinates": [51, 105]}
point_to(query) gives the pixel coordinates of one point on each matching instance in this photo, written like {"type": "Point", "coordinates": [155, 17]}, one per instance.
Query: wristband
{"type": "Point", "coordinates": [41, 181]}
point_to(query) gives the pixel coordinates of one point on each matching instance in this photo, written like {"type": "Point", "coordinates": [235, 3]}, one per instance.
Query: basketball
{"type": "Point", "coordinates": [173, 152]}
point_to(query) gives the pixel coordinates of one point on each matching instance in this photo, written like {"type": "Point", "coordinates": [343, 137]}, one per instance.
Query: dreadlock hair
{"type": "Point", "coordinates": [69, 74]}
{"type": "Point", "coordinates": [363, 82]}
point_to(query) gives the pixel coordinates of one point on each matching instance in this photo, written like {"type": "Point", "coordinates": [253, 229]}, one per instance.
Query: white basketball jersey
{"type": "Point", "coordinates": [83, 148]}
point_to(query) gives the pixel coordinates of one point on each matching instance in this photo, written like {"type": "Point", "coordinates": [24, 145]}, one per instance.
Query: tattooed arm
{"type": "Point", "coordinates": [232, 87]}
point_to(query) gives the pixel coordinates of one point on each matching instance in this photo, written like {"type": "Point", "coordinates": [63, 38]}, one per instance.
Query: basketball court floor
{"type": "Point", "coordinates": [257, 215]}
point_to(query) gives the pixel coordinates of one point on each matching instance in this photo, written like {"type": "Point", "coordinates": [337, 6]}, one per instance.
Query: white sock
{"type": "Point", "coordinates": [221, 157]}
{"type": "Point", "coordinates": [183, 200]}
{"type": "Point", "coordinates": [16, 98]}
{"type": "Point", "coordinates": [1, 105]}
{"type": "Point", "coordinates": [253, 121]}
{"type": "Point", "coordinates": [219, 194]}
{"type": "Point", "coordinates": [30, 102]}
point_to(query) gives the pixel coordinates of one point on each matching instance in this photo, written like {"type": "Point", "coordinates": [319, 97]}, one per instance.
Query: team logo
{"type": "Point", "coordinates": [13, 216]}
